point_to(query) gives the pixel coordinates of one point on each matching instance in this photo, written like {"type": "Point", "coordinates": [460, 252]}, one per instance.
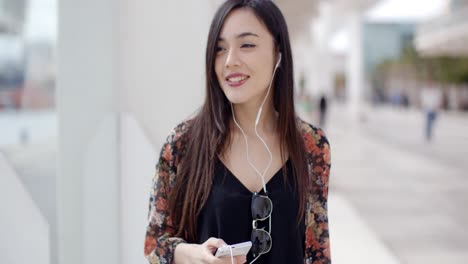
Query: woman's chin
{"type": "Point", "coordinates": [236, 99]}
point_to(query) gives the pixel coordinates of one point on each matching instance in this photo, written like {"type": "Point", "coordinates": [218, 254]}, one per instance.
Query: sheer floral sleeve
{"type": "Point", "coordinates": [317, 241]}
{"type": "Point", "coordinates": [160, 242]}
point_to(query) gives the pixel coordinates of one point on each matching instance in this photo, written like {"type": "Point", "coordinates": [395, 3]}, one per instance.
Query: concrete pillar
{"type": "Point", "coordinates": [87, 102]}
{"type": "Point", "coordinates": [143, 61]}
{"type": "Point", "coordinates": [325, 54]}
{"type": "Point", "coordinates": [319, 56]}
{"type": "Point", "coordinates": [355, 73]}
{"type": "Point", "coordinates": [302, 50]}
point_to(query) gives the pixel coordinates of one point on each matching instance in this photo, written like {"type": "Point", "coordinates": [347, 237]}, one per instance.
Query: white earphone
{"type": "Point", "coordinates": [274, 71]}
{"type": "Point", "coordinates": [279, 61]}
{"type": "Point", "coordinates": [257, 119]}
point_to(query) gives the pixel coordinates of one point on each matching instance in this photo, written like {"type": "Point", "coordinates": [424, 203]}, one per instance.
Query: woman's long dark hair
{"type": "Point", "coordinates": [209, 133]}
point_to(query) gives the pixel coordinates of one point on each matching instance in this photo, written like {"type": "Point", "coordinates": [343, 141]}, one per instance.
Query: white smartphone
{"type": "Point", "coordinates": [237, 249]}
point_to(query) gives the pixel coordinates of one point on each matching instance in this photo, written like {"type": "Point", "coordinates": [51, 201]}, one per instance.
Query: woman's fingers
{"type": "Point", "coordinates": [241, 259]}
{"type": "Point", "coordinates": [214, 242]}
{"type": "Point", "coordinates": [235, 259]}
{"type": "Point", "coordinates": [211, 244]}
{"type": "Point", "coordinates": [227, 260]}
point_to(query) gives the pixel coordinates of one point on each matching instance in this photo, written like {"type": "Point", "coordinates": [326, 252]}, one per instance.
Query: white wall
{"type": "Point", "coordinates": [161, 83]}
{"type": "Point", "coordinates": [137, 169]}
{"type": "Point", "coordinates": [163, 61]}
{"type": "Point", "coordinates": [127, 73]}
{"type": "Point", "coordinates": [24, 230]}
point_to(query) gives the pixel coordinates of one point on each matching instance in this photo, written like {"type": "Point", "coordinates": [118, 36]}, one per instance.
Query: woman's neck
{"type": "Point", "coordinates": [246, 116]}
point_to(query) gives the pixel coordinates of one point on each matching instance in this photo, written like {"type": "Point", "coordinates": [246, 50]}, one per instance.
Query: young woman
{"type": "Point", "coordinates": [245, 168]}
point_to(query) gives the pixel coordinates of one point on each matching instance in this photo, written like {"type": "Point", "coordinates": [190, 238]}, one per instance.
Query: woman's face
{"type": "Point", "coordinates": [245, 58]}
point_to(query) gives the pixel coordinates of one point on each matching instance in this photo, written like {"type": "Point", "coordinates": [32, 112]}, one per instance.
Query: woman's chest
{"type": "Point", "coordinates": [249, 167]}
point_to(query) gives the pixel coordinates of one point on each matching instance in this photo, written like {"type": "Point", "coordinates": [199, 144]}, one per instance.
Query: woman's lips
{"type": "Point", "coordinates": [236, 80]}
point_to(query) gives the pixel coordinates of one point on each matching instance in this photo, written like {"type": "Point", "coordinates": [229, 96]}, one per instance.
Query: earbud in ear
{"type": "Point", "coordinates": [279, 60]}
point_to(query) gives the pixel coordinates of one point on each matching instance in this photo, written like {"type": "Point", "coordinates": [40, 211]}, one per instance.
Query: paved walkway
{"type": "Point", "coordinates": [410, 193]}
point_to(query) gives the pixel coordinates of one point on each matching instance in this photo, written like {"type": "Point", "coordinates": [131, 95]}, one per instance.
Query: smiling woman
{"type": "Point", "coordinates": [245, 168]}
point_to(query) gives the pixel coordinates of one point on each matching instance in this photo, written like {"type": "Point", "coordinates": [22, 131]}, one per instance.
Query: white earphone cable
{"type": "Point", "coordinates": [232, 256]}
{"type": "Point", "coordinates": [257, 119]}
{"type": "Point", "coordinates": [259, 113]}
{"type": "Point", "coordinates": [247, 147]}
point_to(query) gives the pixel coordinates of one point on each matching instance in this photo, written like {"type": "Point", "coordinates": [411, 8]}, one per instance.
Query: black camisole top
{"type": "Point", "coordinates": [227, 215]}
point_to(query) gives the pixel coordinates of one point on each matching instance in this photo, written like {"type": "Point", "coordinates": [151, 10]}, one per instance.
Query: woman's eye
{"type": "Point", "coordinates": [219, 49]}
{"type": "Point", "coordinates": [247, 45]}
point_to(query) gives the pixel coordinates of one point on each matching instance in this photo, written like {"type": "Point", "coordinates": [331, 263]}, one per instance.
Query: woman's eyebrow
{"type": "Point", "coordinates": [246, 34]}
{"type": "Point", "coordinates": [242, 35]}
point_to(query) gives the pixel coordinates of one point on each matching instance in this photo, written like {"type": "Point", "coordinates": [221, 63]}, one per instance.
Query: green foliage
{"type": "Point", "coordinates": [440, 69]}
{"type": "Point", "coordinates": [448, 70]}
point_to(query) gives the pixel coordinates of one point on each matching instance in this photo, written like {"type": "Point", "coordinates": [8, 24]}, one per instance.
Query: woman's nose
{"type": "Point", "coordinates": [232, 59]}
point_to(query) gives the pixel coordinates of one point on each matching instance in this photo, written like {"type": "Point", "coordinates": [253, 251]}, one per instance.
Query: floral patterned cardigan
{"type": "Point", "coordinates": [160, 243]}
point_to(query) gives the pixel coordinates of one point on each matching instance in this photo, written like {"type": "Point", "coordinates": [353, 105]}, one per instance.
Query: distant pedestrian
{"type": "Point", "coordinates": [322, 110]}
{"type": "Point", "coordinates": [431, 99]}
{"type": "Point", "coordinates": [24, 136]}
{"type": "Point", "coordinates": [404, 100]}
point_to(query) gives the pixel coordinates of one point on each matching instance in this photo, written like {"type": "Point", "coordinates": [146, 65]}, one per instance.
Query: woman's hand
{"type": "Point", "coordinates": [203, 254]}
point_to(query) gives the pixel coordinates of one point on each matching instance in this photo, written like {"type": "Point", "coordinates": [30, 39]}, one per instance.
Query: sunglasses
{"type": "Point", "coordinates": [261, 210]}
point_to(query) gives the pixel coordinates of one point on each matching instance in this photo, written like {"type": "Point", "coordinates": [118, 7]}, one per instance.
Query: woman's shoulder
{"type": "Point", "coordinates": [180, 131]}
{"type": "Point", "coordinates": [176, 142]}
{"type": "Point", "coordinates": [318, 155]}
{"type": "Point", "coordinates": [314, 137]}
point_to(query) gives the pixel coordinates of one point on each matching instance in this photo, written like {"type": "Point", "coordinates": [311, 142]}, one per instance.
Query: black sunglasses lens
{"type": "Point", "coordinates": [261, 241]}
{"type": "Point", "coordinates": [261, 207]}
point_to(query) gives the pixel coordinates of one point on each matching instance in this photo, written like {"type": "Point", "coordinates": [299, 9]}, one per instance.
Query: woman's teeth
{"type": "Point", "coordinates": [237, 79]}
